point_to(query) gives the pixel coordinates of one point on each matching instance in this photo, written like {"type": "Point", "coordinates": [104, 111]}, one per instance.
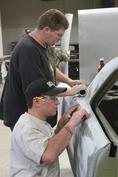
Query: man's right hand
{"type": "Point", "coordinates": [77, 116]}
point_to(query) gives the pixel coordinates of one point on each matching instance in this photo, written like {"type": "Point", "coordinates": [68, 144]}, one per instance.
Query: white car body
{"type": "Point", "coordinates": [93, 147]}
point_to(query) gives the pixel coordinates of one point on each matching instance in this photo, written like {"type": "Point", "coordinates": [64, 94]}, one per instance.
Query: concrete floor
{"type": "Point", "coordinates": [5, 140]}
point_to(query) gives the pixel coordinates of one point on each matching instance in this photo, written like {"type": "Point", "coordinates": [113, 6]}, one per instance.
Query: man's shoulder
{"type": "Point", "coordinates": [25, 43]}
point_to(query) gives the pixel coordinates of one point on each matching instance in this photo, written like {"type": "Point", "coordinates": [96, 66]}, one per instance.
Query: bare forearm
{"type": "Point", "coordinates": [65, 79]}
{"type": "Point", "coordinates": [60, 141]}
{"type": "Point", "coordinates": [56, 145]}
{"type": "Point", "coordinates": [62, 77]}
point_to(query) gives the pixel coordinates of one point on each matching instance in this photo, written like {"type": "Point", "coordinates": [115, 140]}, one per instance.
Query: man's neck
{"type": "Point", "coordinates": [36, 35]}
{"type": "Point", "coordinates": [37, 115]}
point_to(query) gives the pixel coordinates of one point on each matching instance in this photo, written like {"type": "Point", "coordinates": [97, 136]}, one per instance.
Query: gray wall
{"type": "Point", "coordinates": [98, 38]}
{"type": "Point", "coordinates": [17, 15]}
{"type": "Point", "coordinates": [1, 46]}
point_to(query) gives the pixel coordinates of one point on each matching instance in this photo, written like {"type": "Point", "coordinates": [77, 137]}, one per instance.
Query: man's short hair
{"type": "Point", "coordinates": [54, 19]}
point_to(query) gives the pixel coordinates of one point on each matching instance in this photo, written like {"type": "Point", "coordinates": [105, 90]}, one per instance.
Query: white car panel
{"type": "Point", "coordinates": [95, 140]}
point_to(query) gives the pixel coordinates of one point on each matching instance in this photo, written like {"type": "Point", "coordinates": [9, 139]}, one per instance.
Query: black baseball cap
{"type": "Point", "coordinates": [42, 87]}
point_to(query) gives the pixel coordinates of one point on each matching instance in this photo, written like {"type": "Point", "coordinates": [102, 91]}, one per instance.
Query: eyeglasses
{"type": "Point", "coordinates": [40, 97]}
{"type": "Point", "coordinates": [53, 98]}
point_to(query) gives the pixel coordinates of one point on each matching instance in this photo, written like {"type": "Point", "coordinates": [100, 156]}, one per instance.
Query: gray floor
{"type": "Point", "coordinates": [5, 139]}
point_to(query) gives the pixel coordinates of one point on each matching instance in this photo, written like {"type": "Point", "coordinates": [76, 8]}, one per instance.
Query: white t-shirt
{"type": "Point", "coordinates": [29, 141]}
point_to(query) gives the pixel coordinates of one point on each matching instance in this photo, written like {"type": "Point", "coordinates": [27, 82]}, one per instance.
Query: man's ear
{"type": "Point", "coordinates": [36, 101]}
{"type": "Point", "coordinates": [46, 29]}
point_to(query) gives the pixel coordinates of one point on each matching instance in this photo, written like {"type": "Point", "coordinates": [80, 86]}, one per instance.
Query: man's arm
{"type": "Point", "coordinates": [59, 142]}
{"type": "Point", "coordinates": [65, 79]}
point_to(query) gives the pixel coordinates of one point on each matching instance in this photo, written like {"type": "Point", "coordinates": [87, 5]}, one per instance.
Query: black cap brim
{"type": "Point", "coordinates": [56, 91]}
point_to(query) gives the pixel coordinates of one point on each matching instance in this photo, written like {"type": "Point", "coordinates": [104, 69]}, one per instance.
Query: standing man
{"type": "Point", "coordinates": [30, 62]}
{"type": "Point", "coordinates": [35, 147]}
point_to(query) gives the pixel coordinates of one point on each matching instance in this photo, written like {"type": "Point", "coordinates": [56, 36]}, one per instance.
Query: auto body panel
{"type": "Point", "coordinates": [94, 139]}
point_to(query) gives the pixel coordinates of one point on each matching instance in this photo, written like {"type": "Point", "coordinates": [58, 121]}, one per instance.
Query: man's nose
{"type": "Point", "coordinates": [57, 101]}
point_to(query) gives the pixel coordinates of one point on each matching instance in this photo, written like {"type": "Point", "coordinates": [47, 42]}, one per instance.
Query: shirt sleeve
{"type": "Point", "coordinates": [33, 145]}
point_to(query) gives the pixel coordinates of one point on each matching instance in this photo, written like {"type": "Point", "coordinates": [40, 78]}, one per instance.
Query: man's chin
{"type": "Point", "coordinates": [54, 114]}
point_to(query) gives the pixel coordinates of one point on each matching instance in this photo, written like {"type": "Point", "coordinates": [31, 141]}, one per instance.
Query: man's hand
{"type": "Point", "coordinates": [76, 82]}
{"type": "Point", "coordinates": [66, 117]}
{"type": "Point", "coordinates": [76, 89]}
{"type": "Point", "coordinates": [77, 117]}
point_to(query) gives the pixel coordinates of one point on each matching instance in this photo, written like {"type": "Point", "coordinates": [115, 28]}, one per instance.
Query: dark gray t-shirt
{"type": "Point", "coordinates": [29, 62]}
